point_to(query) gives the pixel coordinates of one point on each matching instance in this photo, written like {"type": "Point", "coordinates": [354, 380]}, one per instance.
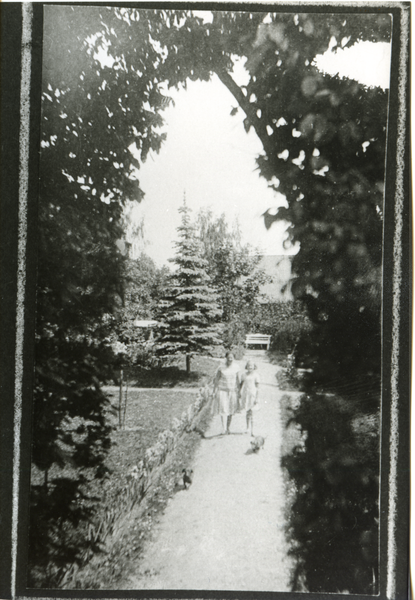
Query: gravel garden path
{"type": "Point", "coordinates": [226, 532]}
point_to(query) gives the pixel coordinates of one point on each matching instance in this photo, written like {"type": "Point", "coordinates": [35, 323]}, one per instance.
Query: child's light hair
{"type": "Point", "coordinates": [250, 363]}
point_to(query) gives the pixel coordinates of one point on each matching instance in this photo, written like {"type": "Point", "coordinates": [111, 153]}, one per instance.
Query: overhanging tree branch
{"type": "Point", "coordinates": [248, 108]}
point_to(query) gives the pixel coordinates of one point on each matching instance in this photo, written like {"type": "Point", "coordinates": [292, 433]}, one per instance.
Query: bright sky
{"type": "Point", "coordinates": [209, 156]}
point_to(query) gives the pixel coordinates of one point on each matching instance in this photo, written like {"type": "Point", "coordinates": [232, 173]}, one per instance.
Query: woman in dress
{"type": "Point", "coordinates": [226, 386]}
{"type": "Point", "coordinates": [249, 394]}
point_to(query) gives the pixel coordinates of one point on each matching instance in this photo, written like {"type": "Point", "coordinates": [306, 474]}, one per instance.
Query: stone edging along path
{"type": "Point", "coordinates": [227, 531]}
{"type": "Point", "coordinates": [138, 481]}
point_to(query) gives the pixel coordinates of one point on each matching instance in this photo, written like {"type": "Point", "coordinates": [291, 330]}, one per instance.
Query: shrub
{"type": "Point", "coordinates": [286, 322]}
{"type": "Point", "coordinates": [334, 517]}
{"type": "Point", "coordinates": [234, 334]}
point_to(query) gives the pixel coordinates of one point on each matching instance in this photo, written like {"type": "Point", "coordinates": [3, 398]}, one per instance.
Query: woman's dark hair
{"type": "Point", "coordinates": [229, 352]}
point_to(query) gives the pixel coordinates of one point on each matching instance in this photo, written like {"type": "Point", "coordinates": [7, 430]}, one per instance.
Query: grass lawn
{"type": "Point", "coordinates": [203, 369]}
{"type": "Point", "coordinates": [149, 412]}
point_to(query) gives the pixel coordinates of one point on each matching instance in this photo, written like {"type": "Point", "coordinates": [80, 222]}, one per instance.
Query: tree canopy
{"type": "Point", "coordinates": [324, 144]}
{"type": "Point", "coordinates": [234, 271]}
{"type": "Point", "coordinates": [144, 285]}
{"type": "Point", "coordinates": [101, 98]}
{"type": "Point", "coordinates": [191, 310]}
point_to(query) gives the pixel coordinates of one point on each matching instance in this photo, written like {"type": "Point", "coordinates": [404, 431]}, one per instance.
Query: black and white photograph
{"type": "Point", "coordinates": [206, 282]}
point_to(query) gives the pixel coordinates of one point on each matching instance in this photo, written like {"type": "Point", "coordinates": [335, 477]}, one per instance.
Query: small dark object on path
{"type": "Point", "coordinates": [187, 478]}
{"type": "Point", "coordinates": [199, 431]}
{"type": "Point", "coordinates": [257, 443]}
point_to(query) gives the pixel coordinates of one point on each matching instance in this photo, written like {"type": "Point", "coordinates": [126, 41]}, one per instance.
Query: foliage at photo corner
{"type": "Point", "coordinates": [190, 311]}
{"type": "Point", "coordinates": [325, 143]}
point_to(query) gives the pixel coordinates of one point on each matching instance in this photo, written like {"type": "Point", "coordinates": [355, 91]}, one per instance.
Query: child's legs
{"type": "Point", "coordinates": [249, 419]}
{"type": "Point", "coordinates": [223, 420]}
{"type": "Point", "coordinates": [228, 422]}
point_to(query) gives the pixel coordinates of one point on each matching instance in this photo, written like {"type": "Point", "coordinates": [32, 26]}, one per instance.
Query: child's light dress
{"type": "Point", "coordinates": [227, 381]}
{"type": "Point", "coordinates": [249, 390]}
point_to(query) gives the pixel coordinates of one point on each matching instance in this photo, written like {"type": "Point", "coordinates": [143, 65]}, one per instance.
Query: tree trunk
{"type": "Point", "coordinates": [125, 403]}
{"type": "Point", "coordinates": [120, 400]}
{"type": "Point", "coordinates": [188, 357]}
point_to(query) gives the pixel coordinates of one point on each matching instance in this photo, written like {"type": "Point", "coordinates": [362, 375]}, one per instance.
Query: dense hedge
{"type": "Point", "coordinates": [334, 518]}
{"type": "Point", "coordinates": [286, 322]}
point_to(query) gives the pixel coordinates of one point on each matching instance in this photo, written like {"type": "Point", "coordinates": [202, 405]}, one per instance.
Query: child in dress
{"type": "Point", "coordinates": [249, 394]}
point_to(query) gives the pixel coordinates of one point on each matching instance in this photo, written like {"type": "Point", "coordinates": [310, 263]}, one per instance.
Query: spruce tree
{"type": "Point", "coordinates": [192, 313]}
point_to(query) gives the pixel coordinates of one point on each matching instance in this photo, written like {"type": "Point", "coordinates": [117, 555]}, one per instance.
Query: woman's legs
{"type": "Point", "coordinates": [228, 423]}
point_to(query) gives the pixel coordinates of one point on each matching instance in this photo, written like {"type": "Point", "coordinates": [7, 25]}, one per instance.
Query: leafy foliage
{"type": "Point", "coordinates": [143, 287]}
{"type": "Point", "coordinates": [191, 312]}
{"type": "Point", "coordinates": [334, 520]}
{"type": "Point", "coordinates": [285, 321]}
{"type": "Point", "coordinates": [54, 517]}
{"type": "Point", "coordinates": [100, 98]}
{"type": "Point", "coordinates": [86, 168]}
{"type": "Point", "coordinates": [234, 272]}
{"type": "Point", "coordinates": [324, 149]}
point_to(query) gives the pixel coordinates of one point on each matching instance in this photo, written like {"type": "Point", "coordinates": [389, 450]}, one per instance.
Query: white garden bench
{"type": "Point", "coordinates": [257, 339]}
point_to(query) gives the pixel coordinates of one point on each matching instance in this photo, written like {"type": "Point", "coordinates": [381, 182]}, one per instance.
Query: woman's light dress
{"type": "Point", "coordinates": [249, 390]}
{"type": "Point", "coordinates": [226, 383]}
